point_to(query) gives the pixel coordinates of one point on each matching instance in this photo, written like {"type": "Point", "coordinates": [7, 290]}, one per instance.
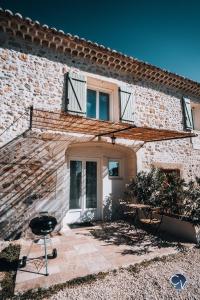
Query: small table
{"type": "Point", "coordinates": [137, 207]}
{"type": "Point", "coordinates": [149, 220]}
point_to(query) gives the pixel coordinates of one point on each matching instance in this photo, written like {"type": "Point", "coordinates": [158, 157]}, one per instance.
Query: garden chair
{"type": "Point", "coordinates": [131, 217]}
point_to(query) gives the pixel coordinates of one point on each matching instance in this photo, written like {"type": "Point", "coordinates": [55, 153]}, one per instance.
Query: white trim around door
{"type": "Point", "coordinates": [84, 193]}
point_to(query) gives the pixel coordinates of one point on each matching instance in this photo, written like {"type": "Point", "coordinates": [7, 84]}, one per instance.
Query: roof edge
{"type": "Point", "coordinates": [33, 31]}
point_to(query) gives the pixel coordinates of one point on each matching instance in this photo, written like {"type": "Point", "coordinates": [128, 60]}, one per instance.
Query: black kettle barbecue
{"type": "Point", "coordinates": [42, 226]}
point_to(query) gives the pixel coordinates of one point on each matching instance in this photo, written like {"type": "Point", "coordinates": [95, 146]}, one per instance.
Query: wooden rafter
{"type": "Point", "coordinates": [63, 122]}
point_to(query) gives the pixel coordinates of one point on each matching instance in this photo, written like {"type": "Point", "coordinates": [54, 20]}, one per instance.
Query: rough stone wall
{"type": "Point", "coordinates": [158, 109]}
{"type": "Point", "coordinates": [163, 109]}
{"type": "Point", "coordinates": [33, 75]}
{"type": "Point", "coordinates": [32, 172]}
{"type": "Point", "coordinates": [28, 177]}
{"type": "Point", "coordinates": [177, 154]}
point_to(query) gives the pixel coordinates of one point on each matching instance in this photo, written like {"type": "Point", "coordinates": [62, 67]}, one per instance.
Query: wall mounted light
{"type": "Point", "coordinates": [113, 138]}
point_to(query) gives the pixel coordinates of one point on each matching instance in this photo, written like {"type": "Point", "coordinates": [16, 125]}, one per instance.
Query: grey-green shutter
{"type": "Point", "coordinates": [126, 101]}
{"type": "Point", "coordinates": [76, 93]}
{"type": "Point", "coordinates": [187, 114]}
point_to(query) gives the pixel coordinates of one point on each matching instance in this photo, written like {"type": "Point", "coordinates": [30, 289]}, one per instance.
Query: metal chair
{"type": "Point", "coordinates": [152, 220]}
{"type": "Point", "coordinates": [131, 216]}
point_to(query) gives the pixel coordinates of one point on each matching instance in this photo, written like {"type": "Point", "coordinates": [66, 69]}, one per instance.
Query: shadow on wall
{"type": "Point", "coordinates": [64, 96]}
{"type": "Point", "coordinates": [112, 209]}
{"type": "Point", "coordinates": [29, 168]}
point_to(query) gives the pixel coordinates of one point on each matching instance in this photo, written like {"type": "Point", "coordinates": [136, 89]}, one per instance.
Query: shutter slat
{"type": "Point", "coordinates": [187, 113]}
{"type": "Point", "coordinates": [76, 93]}
{"type": "Point", "coordinates": [127, 104]}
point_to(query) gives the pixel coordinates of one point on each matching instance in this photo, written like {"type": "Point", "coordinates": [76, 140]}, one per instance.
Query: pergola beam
{"type": "Point", "coordinates": [64, 122]}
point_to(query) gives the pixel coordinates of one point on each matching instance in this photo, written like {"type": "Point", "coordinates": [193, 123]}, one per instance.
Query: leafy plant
{"type": "Point", "coordinates": [8, 264]}
{"type": "Point", "coordinates": [192, 200]}
{"type": "Point", "coordinates": [146, 186]}
{"type": "Point", "coordinates": [172, 192]}
{"type": "Point", "coordinates": [158, 189]}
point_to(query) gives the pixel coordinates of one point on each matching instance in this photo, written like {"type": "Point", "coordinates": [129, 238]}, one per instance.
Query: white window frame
{"type": "Point", "coordinates": [97, 102]}
{"type": "Point", "coordinates": [120, 168]}
{"type": "Point", "coordinates": [197, 108]}
{"type": "Point", "coordinates": [106, 88]}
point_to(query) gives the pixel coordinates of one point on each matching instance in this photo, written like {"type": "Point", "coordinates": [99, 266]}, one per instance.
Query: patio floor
{"type": "Point", "coordinates": [88, 250]}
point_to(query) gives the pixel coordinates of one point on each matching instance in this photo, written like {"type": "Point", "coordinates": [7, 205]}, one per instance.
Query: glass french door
{"type": "Point", "coordinates": [83, 185]}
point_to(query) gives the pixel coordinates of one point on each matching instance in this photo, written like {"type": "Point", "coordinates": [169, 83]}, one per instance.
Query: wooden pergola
{"type": "Point", "coordinates": [64, 122]}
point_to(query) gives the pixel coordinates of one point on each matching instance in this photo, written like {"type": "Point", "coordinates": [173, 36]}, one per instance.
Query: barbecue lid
{"type": "Point", "coordinates": [43, 224]}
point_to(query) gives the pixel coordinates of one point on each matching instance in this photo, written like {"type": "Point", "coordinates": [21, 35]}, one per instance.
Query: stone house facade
{"type": "Point", "coordinates": [51, 160]}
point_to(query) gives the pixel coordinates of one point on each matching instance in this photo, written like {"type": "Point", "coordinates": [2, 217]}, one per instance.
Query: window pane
{"type": "Point", "coordinates": [196, 117]}
{"type": "Point", "coordinates": [103, 106]}
{"type": "Point", "coordinates": [91, 184]}
{"type": "Point", "coordinates": [91, 103]}
{"type": "Point", "coordinates": [75, 184]}
{"type": "Point", "coordinates": [113, 168]}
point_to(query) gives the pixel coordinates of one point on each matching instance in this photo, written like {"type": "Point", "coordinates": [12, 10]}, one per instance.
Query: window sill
{"type": "Point", "coordinates": [115, 178]}
{"type": "Point", "coordinates": [197, 131]}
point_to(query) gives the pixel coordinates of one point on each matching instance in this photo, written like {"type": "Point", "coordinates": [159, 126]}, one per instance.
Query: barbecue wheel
{"type": "Point", "coordinates": [53, 255]}
{"type": "Point", "coordinates": [22, 262]}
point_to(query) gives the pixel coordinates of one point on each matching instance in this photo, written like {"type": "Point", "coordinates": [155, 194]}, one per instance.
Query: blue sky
{"type": "Point", "coordinates": [163, 33]}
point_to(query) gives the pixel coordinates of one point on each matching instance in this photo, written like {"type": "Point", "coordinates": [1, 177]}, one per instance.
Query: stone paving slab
{"type": "Point", "coordinates": [79, 254]}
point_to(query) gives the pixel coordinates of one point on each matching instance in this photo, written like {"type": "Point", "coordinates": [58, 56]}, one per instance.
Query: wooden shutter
{"type": "Point", "coordinates": [187, 114]}
{"type": "Point", "coordinates": [76, 93]}
{"type": "Point", "coordinates": [126, 102]}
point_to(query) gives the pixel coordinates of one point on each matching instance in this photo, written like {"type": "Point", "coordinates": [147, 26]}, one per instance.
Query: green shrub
{"type": "Point", "coordinates": [8, 264]}
{"type": "Point", "coordinates": [159, 189]}
{"type": "Point", "coordinates": [192, 200]}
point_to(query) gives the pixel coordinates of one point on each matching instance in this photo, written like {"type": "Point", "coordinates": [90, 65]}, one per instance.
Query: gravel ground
{"type": "Point", "coordinates": [150, 281]}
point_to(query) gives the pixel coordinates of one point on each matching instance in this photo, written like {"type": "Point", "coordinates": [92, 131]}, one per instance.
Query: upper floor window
{"type": "Point", "coordinates": [99, 98]}
{"type": "Point", "coordinates": [196, 117]}
{"type": "Point", "coordinates": [191, 114]}
{"type": "Point", "coordinates": [98, 105]}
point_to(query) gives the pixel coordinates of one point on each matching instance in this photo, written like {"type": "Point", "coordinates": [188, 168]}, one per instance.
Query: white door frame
{"type": "Point", "coordinates": [83, 209]}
